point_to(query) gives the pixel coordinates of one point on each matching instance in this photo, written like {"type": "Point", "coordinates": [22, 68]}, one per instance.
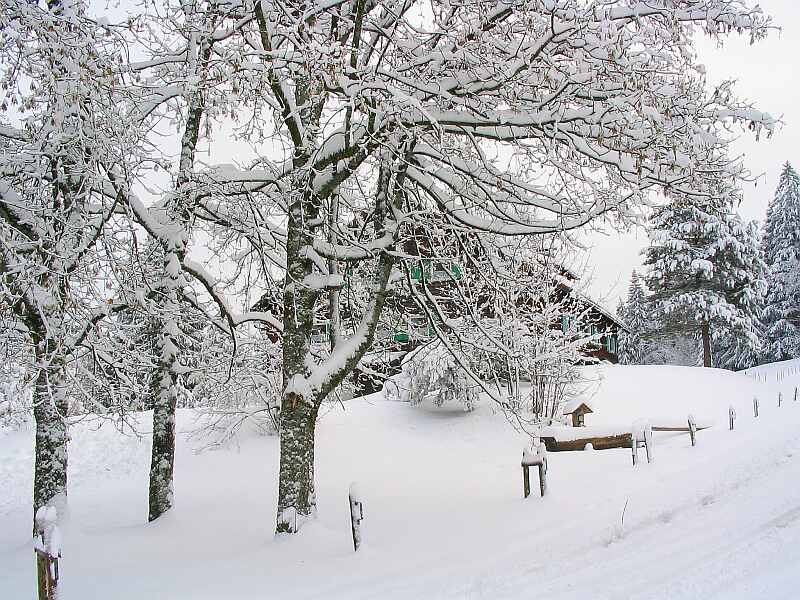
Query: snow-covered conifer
{"type": "Point", "coordinates": [634, 312]}
{"type": "Point", "coordinates": [739, 346]}
{"type": "Point", "coordinates": [705, 274]}
{"type": "Point", "coordinates": [781, 253]}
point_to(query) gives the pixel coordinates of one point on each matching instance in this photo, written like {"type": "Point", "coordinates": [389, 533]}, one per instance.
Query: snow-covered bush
{"type": "Point", "coordinates": [435, 374]}
{"type": "Point", "coordinates": [241, 394]}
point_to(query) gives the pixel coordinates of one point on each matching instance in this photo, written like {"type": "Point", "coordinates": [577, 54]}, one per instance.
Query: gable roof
{"type": "Point", "coordinates": [573, 405]}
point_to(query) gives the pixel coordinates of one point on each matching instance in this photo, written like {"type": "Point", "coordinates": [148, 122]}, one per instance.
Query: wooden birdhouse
{"type": "Point", "coordinates": [578, 410]}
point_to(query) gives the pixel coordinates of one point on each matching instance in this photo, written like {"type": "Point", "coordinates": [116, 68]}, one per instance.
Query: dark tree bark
{"type": "Point", "coordinates": [296, 498]}
{"type": "Point", "coordinates": [706, 335]}
{"type": "Point", "coordinates": [300, 403]}
{"type": "Point", "coordinates": [50, 413]}
{"type": "Point", "coordinates": [50, 464]}
{"type": "Point", "coordinates": [181, 210]}
{"type": "Point", "coordinates": [162, 460]}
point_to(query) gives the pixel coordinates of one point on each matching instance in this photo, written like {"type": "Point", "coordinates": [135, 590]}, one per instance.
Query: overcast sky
{"type": "Point", "coordinates": [766, 75]}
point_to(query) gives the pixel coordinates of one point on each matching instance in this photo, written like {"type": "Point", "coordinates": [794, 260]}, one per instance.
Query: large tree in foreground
{"type": "Point", "coordinates": [507, 118]}
{"type": "Point", "coordinates": [781, 253]}
{"type": "Point", "coordinates": [57, 70]}
{"type": "Point", "coordinates": [58, 76]}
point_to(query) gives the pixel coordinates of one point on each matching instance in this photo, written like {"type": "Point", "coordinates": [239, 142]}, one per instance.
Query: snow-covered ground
{"type": "Point", "coordinates": [777, 372]}
{"type": "Point", "coordinates": [443, 507]}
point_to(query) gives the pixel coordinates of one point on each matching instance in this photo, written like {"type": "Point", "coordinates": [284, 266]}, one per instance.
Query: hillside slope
{"type": "Point", "coordinates": [444, 514]}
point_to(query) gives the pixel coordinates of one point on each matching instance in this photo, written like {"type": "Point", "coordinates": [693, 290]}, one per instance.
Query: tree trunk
{"type": "Point", "coordinates": [163, 454]}
{"type": "Point", "coordinates": [296, 496]}
{"type": "Point", "coordinates": [165, 396]}
{"type": "Point", "coordinates": [50, 413]}
{"type": "Point", "coordinates": [706, 335]}
{"type": "Point", "coordinates": [50, 464]}
{"type": "Point", "coordinates": [300, 403]}
{"type": "Point", "coordinates": [180, 210]}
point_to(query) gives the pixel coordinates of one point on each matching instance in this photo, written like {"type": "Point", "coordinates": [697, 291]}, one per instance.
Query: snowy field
{"type": "Point", "coordinates": [443, 506]}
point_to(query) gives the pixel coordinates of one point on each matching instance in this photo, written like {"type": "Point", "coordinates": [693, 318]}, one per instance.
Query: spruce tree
{"type": "Point", "coordinates": [632, 344]}
{"type": "Point", "coordinates": [781, 253]}
{"type": "Point", "coordinates": [706, 275]}
{"type": "Point", "coordinates": [739, 345]}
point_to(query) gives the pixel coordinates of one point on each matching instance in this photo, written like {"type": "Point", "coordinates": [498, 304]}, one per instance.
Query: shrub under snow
{"type": "Point", "coordinates": [433, 373]}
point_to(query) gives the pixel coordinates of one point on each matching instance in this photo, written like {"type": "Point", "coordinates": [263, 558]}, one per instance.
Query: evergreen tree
{"type": "Point", "coordinates": [739, 346]}
{"type": "Point", "coordinates": [781, 253]}
{"type": "Point", "coordinates": [706, 275]}
{"type": "Point", "coordinates": [632, 344]}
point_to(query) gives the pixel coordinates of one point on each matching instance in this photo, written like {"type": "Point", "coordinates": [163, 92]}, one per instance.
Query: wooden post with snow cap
{"type": "Point", "coordinates": [641, 435]}
{"type": "Point", "coordinates": [356, 515]}
{"type": "Point", "coordinates": [692, 430]}
{"type": "Point", "coordinates": [795, 393]}
{"type": "Point", "coordinates": [780, 399]}
{"type": "Point", "coordinates": [47, 546]}
{"type": "Point", "coordinates": [536, 457]}
{"type": "Point", "coordinates": [755, 406]}
{"type": "Point", "coordinates": [731, 416]}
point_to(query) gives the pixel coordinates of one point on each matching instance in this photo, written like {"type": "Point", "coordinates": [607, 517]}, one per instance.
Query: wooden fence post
{"type": "Point", "coordinates": [543, 475]}
{"type": "Point", "coordinates": [780, 399]}
{"type": "Point", "coordinates": [795, 393]}
{"type": "Point", "coordinates": [731, 416]}
{"type": "Point", "coordinates": [692, 429]}
{"type": "Point", "coordinates": [537, 457]}
{"type": "Point", "coordinates": [755, 406]}
{"type": "Point", "coordinates": [641, 436]}
{"type": "Point", "coordinates": [526, 478]}
{"type": "Point", "coordinates": [48, 551]}
{"type": "Point", "coordinates": [356, 515]}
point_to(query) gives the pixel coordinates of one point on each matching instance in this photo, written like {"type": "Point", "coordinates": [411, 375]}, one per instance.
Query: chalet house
{"type": "Point", "coordinates": [408, 326]}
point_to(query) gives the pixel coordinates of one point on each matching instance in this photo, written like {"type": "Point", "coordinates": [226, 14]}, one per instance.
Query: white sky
{"type": "Point", "coordinates": [765, 75]}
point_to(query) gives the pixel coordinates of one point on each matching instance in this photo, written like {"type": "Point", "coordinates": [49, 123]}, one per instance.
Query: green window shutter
{"type": "Point", "coordinates": [564, 323]}
{"type": "Point", "coordinates": [416, 272]}
{"type": "Point", "coordinates": [400, 335]}
{"type": "Point", "coordinates": [456, 271]}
